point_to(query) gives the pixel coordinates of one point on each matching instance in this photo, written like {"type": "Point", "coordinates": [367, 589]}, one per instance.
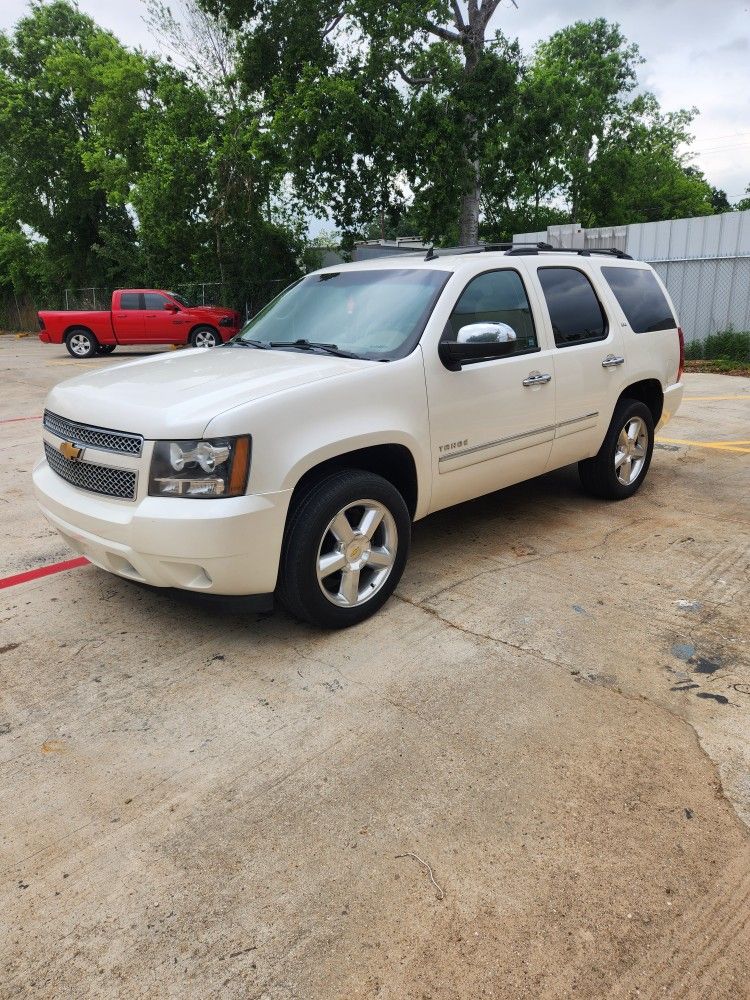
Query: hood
{"type": "Point", "coordinates": [176, 395]}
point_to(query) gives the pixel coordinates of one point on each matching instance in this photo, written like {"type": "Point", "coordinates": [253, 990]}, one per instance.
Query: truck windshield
{"type": "Point", "coordinates": [181, 299]}
{"type": "Point", "coordinates": [378, 313]}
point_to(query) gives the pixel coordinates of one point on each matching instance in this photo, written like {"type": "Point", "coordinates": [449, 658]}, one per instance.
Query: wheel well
{"type": "Point", "coordinates": [203, 326]}
{"type": "Point", "coordinates": [650, 392]}
{"type": "Point", "coordinates": [76, 329]}
{"type": "Point", "coordinates": [393, 462]}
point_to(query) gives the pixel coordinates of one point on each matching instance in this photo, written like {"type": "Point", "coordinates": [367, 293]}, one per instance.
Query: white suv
{"type": "Point", "coordinates": [293, 459]}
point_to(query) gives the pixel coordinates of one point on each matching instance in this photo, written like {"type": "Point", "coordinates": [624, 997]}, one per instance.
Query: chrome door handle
{"type": "Point", "coordinates": [612, 361]}
{"type": "Point", "coordinates": [537, 378]}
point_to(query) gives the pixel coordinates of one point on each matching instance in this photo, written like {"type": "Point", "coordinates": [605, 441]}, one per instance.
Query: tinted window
{"type": "Point", "coordinates": [496, 297]}
{"type": "Point", "coordinates": [641, 299]}
{"type": "Point", "coordinates": [154, 300]}
{"type": "Point", "coordinates": [130, 300]}
{"type": "Point", "coordinates": [573, 306]}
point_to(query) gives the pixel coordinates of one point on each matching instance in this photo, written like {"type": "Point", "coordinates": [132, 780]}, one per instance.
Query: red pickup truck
{"type": "Point", "coordinates": [138, 316]}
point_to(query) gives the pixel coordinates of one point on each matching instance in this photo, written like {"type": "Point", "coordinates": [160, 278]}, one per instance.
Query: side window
{"type": "Point", "coordinates": [496, 297]}
{"type": "Point", "coordinates": [130, 300]}
{"type": "Point", "coordinates": [641, 299]}
{"type": "Point", "coordinates": [154, 301]}
{"type": "Point", "coordinates": [576, 314]}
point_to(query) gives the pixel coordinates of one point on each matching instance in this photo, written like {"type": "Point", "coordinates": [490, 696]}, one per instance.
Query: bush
{"type": "Point", "coordinates": [731, 345]}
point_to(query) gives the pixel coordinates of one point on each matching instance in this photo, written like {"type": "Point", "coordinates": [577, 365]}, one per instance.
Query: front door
{"type": "Point", "coordinates": [492, 423]}
{"type": "Point", "coordinates": [162, 324]}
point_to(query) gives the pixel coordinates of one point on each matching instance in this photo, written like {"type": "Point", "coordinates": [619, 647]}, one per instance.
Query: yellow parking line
{"type": "Point", "coordinates": [695, 399]}
{"type": "Point", "coordinates": [718, 445]}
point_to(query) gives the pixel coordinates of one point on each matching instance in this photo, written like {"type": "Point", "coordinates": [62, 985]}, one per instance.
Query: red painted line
{"type": "Point", "coordinates": [34, 574]}
{"type": "Point", "coordinates": [13, 420]}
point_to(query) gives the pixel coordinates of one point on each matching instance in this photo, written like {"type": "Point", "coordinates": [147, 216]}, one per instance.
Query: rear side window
{"type": "Point", "coordinates": [130, 300]}
{"type": "Point", "coordinates": [641, 299]}
{"type": "Point", "coordinates": [154, 301]}
{"type": "Point", "coordinates": [496, 297]}
{"type": "Point", "coordinates": [576, 313]}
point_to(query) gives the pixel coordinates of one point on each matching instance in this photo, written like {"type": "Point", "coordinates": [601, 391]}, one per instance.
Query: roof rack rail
{"type": "Point", "coordinates": [523, 251]}
{"type": "Point", "coordinates": [432, 253]}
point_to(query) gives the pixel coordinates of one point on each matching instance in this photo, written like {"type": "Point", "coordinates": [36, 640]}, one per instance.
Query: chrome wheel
{"type": "Point", "coordinates": [357, 553]}
{"type": "Point", "coordinates": [80, 344]}
{"type": "Point", "coordinates": [205, 338]}
{"type": "Point", "coordinates": [631, 451]}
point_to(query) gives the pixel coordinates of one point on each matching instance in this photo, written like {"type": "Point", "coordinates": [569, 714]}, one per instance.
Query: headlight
{"type": "Point", "coordinates": [217, 468]}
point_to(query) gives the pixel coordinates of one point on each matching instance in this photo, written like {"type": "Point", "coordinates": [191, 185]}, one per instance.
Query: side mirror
{"type": "Point", "coordinates": [172, 307]}
{"type": "Point", "coordinates": [477, 341]}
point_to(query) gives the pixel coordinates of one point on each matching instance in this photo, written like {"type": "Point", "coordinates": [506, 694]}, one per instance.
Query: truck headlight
{"type": "Point", "coordinates": [217, 468]}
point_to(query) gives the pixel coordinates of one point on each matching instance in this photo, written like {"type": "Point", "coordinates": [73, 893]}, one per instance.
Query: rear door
{"type": "Point", "coordinates": [588, 360]}
{"type": "Point", "coordinates": [492, 423]}
{"type": "Point", "coordinates": [127, 317]}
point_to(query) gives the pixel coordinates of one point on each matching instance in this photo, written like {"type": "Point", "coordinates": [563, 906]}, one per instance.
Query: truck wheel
{"type": "Point", "coordinates": [81, 343]}
{"type": "Point", "coordinates": [620, 466]}
{"type": "Point", "coordinates": [105, 348]}
{"type": "Point", "coordinates": [345, 549]}
{"type": "Point", "coordinates": [204, 336]}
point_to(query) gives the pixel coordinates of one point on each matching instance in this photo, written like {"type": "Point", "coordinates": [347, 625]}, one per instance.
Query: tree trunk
{"type": "Point", "coordinates": [469, 218]}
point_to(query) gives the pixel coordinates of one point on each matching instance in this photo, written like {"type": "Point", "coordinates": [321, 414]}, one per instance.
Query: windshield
{"type": "Point", "coordinates": [181, 299]}
{"type": "Point", "coordinates": [378, 314]}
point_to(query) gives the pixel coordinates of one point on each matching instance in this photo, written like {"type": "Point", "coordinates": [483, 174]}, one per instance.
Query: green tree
{"type": "Point", "coordinates": [66, 88]}
{"type": "Point", "coordinates": [638, 175]}
{"type": "Point", "coordinates": [367, 80]}
{"type": "Point", "coordinates": [578, 84]}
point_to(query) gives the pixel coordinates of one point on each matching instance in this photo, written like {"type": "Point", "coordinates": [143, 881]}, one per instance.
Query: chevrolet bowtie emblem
{"type": "Point", "coordinates": [69, 450]}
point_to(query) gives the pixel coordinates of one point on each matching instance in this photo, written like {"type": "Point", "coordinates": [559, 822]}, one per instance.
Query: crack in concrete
{"type": "Point", "coordinates": [628, 696]}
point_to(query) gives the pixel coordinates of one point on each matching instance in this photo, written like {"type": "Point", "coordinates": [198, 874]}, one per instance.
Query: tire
{"type": "Point", "coordinates": [81, 343]}
{"type": "Point", "coordinates": [204, 336]}
{"type": "Point", "coordinates": [105, 348]}
{"type": "Point", "coordinates": [610, 475]}
{"type": "Point", "coordinates": [315, 530]}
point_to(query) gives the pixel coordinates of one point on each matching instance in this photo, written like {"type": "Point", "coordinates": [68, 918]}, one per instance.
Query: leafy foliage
{"type": "Point", "coordinates": [388, 119]}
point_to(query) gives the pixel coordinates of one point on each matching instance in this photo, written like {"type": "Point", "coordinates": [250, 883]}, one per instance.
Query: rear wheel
{"type": "Point", "coordinates": [105, 348]}
{"type": "Point", "coordinates": [345, 549]}
{"type": "Point", "coordinates": [623, 460]}
{"type": "Point", "coordinates": [81, 343]}
{"type": "Point", "coordinates": [204, 336]}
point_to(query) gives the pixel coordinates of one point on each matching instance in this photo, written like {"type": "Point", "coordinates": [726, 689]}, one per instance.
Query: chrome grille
{"type": "Point", "coordinates": [94, 478]}
{"type": "Point", "coordinates": [93, 437]}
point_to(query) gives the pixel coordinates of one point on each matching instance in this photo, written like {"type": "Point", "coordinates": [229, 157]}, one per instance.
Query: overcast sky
{"type": "Point", "coordinates": [697, 53]}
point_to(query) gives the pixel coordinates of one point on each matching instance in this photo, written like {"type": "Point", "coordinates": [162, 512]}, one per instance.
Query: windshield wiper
{"type": "Point", "coordinates": [260, 344]}
{"type": "Point", "coordinates": [312, 345]}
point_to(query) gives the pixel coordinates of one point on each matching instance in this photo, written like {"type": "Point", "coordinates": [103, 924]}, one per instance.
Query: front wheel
{"type": "Point", "coordinates": [622, 462]}
{"type": "Point", "coordinates": [81, 343]}
{"type": "Point", "coordinates": [204, 336]}
{"type": "Point", "coordinates": [345, 549]}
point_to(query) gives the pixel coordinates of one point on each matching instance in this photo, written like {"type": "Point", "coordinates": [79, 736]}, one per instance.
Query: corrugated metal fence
{"type": "Point", "coordinates": [704, 262]}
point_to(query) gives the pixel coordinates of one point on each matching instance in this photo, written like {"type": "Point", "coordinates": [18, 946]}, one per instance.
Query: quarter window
{"type": "Point", "coordinates": [130, 300]}
{"type": "Point", "coordinates": [643, 302]}
{"type": "Point", "coordinates": [496, 297]}
{"type": "Point", "coordinates": [154, 301]}
{"type": "Point", "coordinates": [575, 311]}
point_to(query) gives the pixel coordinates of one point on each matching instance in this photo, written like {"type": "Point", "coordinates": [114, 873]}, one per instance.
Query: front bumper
{"type": "Point", "coordinates": [228, 546]}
